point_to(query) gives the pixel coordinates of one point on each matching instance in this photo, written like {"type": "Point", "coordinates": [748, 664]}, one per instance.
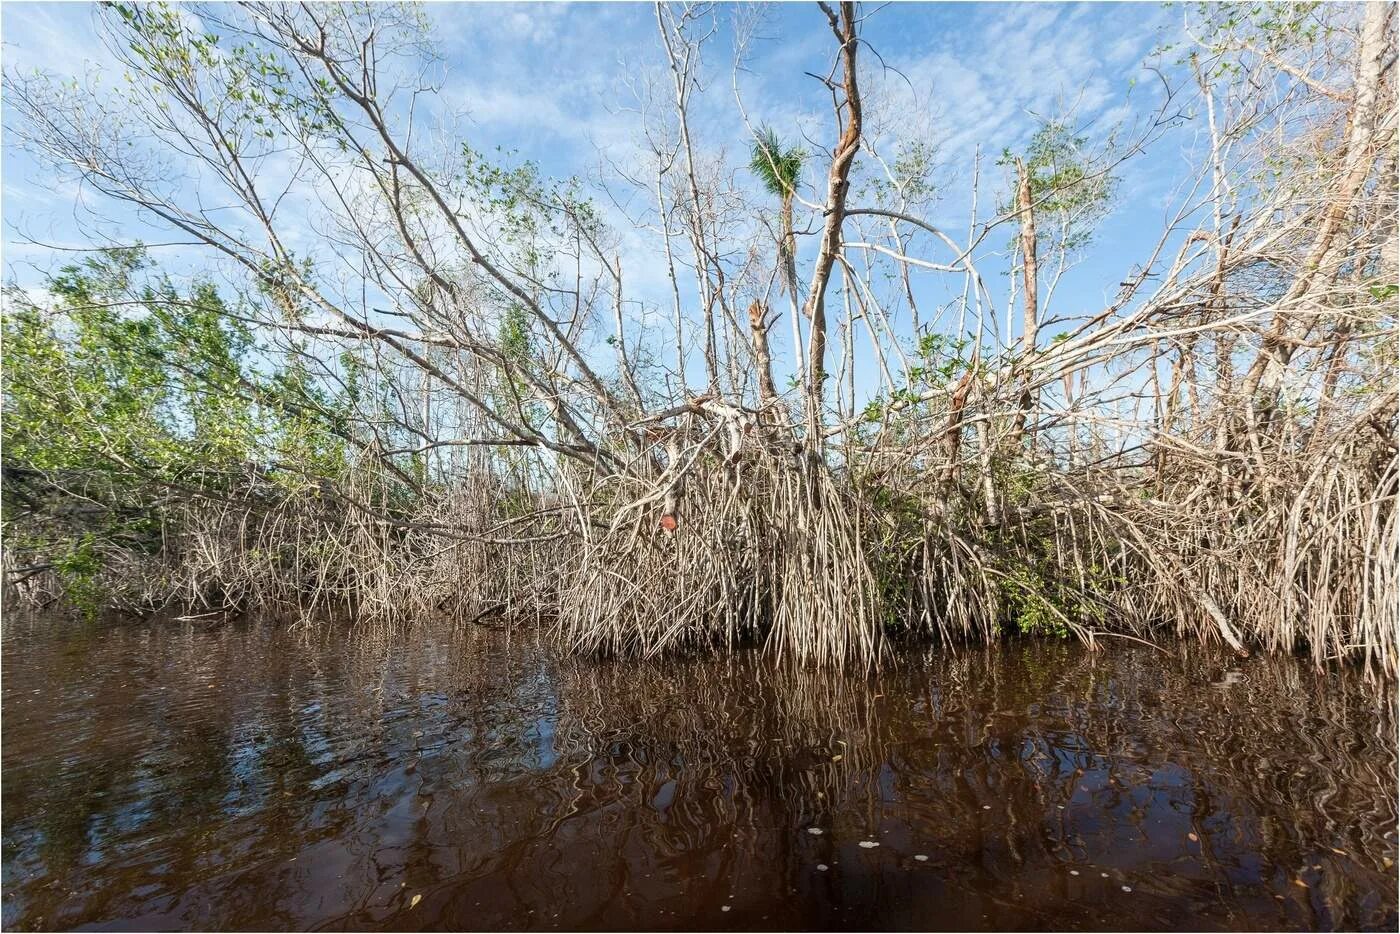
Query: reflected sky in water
{"type": "Point", "coordinates": [180, 775]}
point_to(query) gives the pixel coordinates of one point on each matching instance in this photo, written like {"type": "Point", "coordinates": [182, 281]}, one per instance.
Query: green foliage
{"type": "Point", "coordinates": [306, 426]}
{"type": "Point", "coordinates": [1272, 26]}
{"type": "Point", "coordinates": [125, 394]}
{"type": "Point", "coordinates": [777, 167]}
{"type": "Point", "coordinates": [79, 568]}
{"type": "Point", "coordinates": [515, 334]}
{"type": "Point", "coordinates": [1070, 191]}
{"type": "Point", "coordinates": [1032, 609]}
{"type": "Point", "coordinates": [257, 97]}
{"type": "Point", "coordinates": [116, 373]}
{"type": "Point", "coordinates": [941, 362]}
{"type": "Point", "coordinates": [941, 358]}
{"type": "Point", "coordinates": [1044, 587]}
{"type": "Point", "coordinates": [534, 213]}
{"type": "Point", "coordinates": [1042, 597]}
{"type": "Point", "coordinates": [913, 165]}
{"type": "Point", "coordinates": [895, 534]}
{"type": "Point", "coordinates": [909, 180]}
{"type": "Point", "coordinates": [1016, 479]}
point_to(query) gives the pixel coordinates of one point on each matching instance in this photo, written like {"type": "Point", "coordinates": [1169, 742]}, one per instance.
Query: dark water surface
{"type": "Point", "coordinates": [187, 775]}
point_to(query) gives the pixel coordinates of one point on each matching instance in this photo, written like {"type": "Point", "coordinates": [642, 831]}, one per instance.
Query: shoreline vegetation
{"type": "Point", "coordinates": [393, 375]}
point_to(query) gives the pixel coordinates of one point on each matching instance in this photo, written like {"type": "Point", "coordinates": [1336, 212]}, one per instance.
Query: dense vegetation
{"type": "Point", "coordinates": [451, 403]}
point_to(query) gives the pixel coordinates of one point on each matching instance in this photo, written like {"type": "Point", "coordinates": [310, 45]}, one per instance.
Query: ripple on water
{"type": "Point", "coordinates": [237, 775]}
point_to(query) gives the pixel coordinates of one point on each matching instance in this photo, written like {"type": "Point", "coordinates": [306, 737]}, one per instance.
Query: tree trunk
{"type": "Point", "coordinates": [1030, 300]}
{"type": "Point", "coordinates": [767, 392]}
{"type": "Point", "coordinates": [837, 188]}
{"type": "Point", "coordinates": [1266, 373]}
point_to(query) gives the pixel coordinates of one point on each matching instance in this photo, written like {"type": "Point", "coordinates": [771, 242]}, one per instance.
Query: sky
{"type": "Point", "coordinates": [558, 82]}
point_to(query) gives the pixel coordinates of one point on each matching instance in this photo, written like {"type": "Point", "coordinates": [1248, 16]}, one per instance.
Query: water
{"type": "Point", "coordinates": [214, 775]}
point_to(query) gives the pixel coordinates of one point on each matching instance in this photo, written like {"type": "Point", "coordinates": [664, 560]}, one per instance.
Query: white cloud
{"type": "Point", "coordinates": [557, 83]}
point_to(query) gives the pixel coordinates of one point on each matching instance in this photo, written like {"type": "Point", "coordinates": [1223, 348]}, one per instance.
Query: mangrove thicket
{"type": "Point", "coordinates": [781, 386]}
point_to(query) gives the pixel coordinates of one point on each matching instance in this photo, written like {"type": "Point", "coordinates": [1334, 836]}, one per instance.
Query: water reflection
{"type": "Point", "coordinates": [245, 776]}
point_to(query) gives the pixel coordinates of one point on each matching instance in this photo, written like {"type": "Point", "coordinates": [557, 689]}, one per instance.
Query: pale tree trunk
{"type": "Point", "coordinates": [624, 366]}
{"type": "Point", "coordinates": [758, 328]}
{"type": "Point", "coordinates": [837, 188]}
{"type": "Point", "coordinates": [787, 250]}
{"type": "Point", "coordinates": [1266, 373]}
{"type": "Point", "coordinates": [1030, 291]}
{"type": "Point", "coordinates": [709, 293]}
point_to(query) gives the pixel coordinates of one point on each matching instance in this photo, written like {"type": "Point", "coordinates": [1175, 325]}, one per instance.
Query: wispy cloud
{"type": "Point", "coordinates": [557, 83]}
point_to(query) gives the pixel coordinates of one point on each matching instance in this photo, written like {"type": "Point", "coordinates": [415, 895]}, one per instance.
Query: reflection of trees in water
{"type": "Point", "coordinates": [1117, 761]}
{"type": "Point", "coordinates": [125, 778]}
{"type": "Point", "coordinates": [307, 779]}
{"type": "Point", "coordinates": [1109, 762]}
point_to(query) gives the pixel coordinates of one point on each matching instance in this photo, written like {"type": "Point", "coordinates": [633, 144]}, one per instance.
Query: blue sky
{"type": "Point", "coordinates": [558, 83]}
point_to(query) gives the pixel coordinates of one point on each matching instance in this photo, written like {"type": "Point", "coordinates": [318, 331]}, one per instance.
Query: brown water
{"type": "Point", "coordinates": [241, 776]}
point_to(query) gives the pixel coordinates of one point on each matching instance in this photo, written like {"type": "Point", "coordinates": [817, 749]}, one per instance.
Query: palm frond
{"type": "Point", "coordinates": [777, 168]}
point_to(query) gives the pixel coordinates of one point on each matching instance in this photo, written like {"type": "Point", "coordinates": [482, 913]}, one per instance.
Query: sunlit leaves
{"type": "Point", "coordinates": [777, 167]}
{"type": "Point", "coordinates": [1071, 188]}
